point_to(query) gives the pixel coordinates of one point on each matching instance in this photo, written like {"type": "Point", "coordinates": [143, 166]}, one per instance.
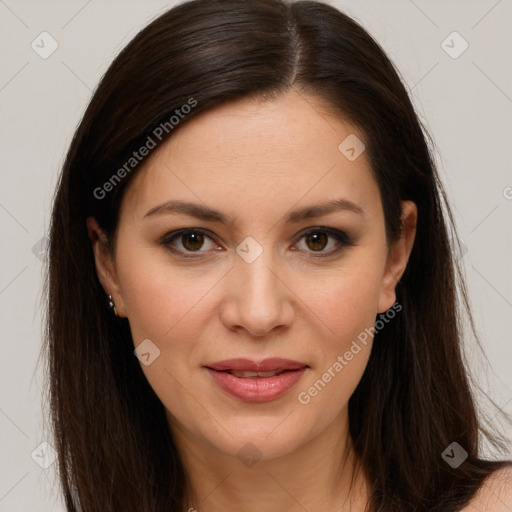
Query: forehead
{"type": "Point", "coordinates": [253, 154]}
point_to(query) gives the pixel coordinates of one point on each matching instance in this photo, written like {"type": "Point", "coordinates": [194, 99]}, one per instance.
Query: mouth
{"type": "Point", "coordinates": [256, 381]}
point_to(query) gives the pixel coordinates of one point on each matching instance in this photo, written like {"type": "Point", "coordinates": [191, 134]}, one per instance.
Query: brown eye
{"type": "Point", "coordinates": [317, 241]}
{"type": "Point", "coordinates": [188, 241]}
{"type": "Point", "coordinates": [192, 241]}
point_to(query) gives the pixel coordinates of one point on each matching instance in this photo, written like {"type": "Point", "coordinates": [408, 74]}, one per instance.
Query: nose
{"type": "Point", "coordinates": [257, 299]}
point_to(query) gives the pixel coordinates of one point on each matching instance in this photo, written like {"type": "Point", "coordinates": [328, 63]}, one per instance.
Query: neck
{"type": "Point", "coordinates": [319, 475]}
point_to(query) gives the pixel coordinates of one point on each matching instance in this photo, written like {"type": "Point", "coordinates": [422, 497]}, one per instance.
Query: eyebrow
{"type": "Point", "coordinates": [206, 213]}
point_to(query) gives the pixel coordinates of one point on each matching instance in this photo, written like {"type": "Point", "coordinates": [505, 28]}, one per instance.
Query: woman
{"type": "Point", "coordinates": [252, 284]}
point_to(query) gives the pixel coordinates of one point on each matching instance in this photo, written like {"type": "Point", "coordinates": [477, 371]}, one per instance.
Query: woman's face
{"type": "Point", "coordinates": [248, 281]}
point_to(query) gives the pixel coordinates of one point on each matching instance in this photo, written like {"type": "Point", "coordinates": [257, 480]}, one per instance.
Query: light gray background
{"type": "Point", "coordinates": [465, 103]}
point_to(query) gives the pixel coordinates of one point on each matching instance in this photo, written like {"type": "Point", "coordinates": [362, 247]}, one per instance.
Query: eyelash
{"type": "Point", "coordinates": [343, 239]}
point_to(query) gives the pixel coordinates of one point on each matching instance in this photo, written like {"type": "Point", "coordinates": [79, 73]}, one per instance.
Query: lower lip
{"type": "Point", "coordinates": [257, 389]}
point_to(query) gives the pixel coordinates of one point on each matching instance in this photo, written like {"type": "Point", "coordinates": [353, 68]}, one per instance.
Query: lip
{"type": "Point", "coordinates": [256, 389]}
{"type": "Point", "coordinates": [267, 365]}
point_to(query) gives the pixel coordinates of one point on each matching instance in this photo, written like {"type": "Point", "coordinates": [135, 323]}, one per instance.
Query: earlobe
{"type": "Point", "coordinates": [105, 268]}
{"type": "Point", "coordinates": [398, 256]}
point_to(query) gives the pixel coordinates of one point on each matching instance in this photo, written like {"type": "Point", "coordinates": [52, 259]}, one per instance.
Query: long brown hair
{"type": "Point", "coordinates": [115, 450]}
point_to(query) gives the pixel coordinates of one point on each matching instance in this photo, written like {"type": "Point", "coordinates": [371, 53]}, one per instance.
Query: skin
{"type": "Point", "coordinates": [255, 161]}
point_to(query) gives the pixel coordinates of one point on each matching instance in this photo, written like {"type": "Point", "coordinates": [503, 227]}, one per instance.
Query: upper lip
{"type": "Point", "coordinates": [267, 365]}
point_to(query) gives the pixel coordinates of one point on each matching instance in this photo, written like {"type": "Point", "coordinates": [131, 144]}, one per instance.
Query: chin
{"type": "Point", "coordinates": [264, 438]}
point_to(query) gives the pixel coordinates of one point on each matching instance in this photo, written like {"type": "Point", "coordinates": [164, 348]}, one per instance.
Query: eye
{"type": "Point", "coordinates": [185, 242]}
{"type": "Point", "coordinates": [317, 239]}
{"type": "Point", "coordinates": [191, 240]}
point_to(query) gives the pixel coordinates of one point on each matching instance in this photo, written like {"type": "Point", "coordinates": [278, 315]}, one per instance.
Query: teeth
{"type": "Point", "coordinates": [269, 374]}
{"type": "Point", "coordinates": [238, 373]}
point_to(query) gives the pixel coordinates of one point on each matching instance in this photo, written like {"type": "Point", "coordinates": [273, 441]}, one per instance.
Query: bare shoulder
{"type": "Point", "coordinates": [495, 495]}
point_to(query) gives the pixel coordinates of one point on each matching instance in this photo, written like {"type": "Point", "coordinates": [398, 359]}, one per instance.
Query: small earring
{"type": "Point", "coordinates": [113, 306]}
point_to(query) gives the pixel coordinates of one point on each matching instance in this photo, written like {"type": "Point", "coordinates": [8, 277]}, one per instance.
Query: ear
{"type": "Point", "coordinates": [398, 256]}
{"type": "Point", "coordinates": [105, 266]}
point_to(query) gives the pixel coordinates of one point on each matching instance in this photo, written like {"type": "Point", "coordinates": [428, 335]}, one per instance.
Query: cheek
{"type": "Point", "coordinates": [345, 302]}
{"type": "Point", "coordinates": [170, 306]}
{"type": "Point", "coordinates": [160, 298]}
{"type": "Point", "coordinates": [347, 309]}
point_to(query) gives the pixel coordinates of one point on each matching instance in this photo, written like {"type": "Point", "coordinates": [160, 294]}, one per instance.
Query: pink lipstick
{"type": "Point", "coordinates": [253, 381]}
